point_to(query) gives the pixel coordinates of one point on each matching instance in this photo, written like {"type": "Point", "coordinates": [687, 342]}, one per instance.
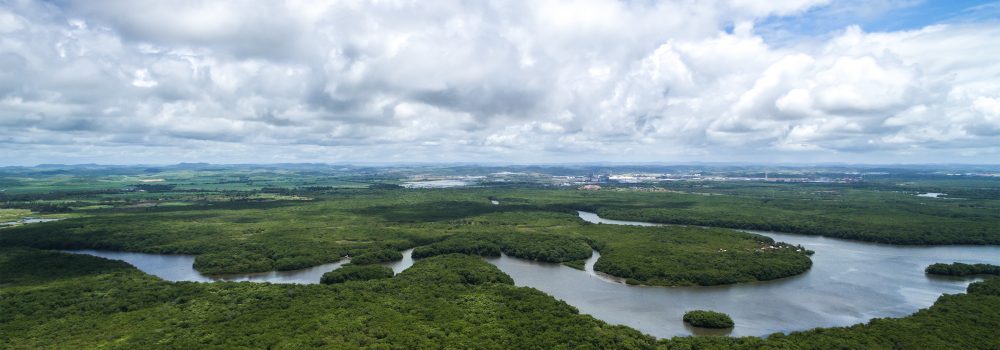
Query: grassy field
{"type": "Point", "coordinates": [13, 214]}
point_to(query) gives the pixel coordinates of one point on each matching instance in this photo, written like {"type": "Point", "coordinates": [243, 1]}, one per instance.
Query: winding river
{"type": "Point", "coordinates": [175, 268]}
{"type": "Point", "coordinates": [850, 282]}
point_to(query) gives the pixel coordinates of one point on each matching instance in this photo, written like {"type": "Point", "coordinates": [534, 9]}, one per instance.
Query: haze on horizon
{"type": "Point", "coordinates": [797, 81]}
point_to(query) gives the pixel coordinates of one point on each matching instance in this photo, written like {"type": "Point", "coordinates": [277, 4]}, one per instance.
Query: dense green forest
{"type": "Point", "coordinates": [273, 219]}
{"type": "Point", "coordinates": [882, 208]}
{"type": "Point", "coordinates": [478, 244]}
{"type": "Point", "coordinates": [675, 255]}
{"type": "Point", "coordinates": [374, 225]}
{"type": "Point", "coordinates": [57, 300]}
{"type": "Point", "coordinates": [376, 256]}
{"type": "Point", "coordinates": [451, 301]}
{"type": "Point", "coordinates": [356, 273]}
{"type": "Point", "coordinates": [960, 269]}
{"type": "Point", "coordinates": [883, 217]}
{"type": "Point", "coordinates": [538, 247]}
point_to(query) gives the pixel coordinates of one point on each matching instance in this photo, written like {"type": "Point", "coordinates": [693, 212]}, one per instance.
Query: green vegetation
{"type": "Point", "coordinates": [577, 264]}
{"type": "Point", "coordinates": [374, 225]}
{"type": "Point", "coordinates": [13, 214]}
{"type": "Point", "coordinates": [237, 260]}
{"type": "Point", "coordinates": [988, 287]}
{"type": "Point", "coordinates": [356, 273]}
{"type": "Point", "coordinates": [477, 244]}
{"type": "Point", "coordinates": [233, 237]}
{"type": "Point", "coordinates": [545, 247]}
{"type": "Point", "coordinates": [245, 220]}
{"type": "Point", "coordinates": [455, 269]}
{"type": "Point", "coordinates": [708, 319]}
{"type": "Point", "coordinates": [376, 256]}
{"type": "Point", "coordinates": [674, 255]}
{"type": "Point", "coordinates": [960, 269]}
{"type": "Point", "coordinates": [884, 217]}
{"type": "Point", "coordinates": [457, 302]}
{"type": "Point", "coordinates": [57, 300]}
{"type": "Point", "coordinates": [538, 247]}
{"type": "Point", "coordinates": [22, 266]}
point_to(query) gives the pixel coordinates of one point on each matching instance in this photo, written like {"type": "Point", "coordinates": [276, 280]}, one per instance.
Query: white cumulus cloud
{"type": "Point", "coordinates": [535, 81]}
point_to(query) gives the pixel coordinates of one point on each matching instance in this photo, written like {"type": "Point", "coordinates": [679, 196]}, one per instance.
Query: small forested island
{"type": "Point", "coordinates": [686, 256]}
{"type": "Point", "coordinates": [960, 269]}
{"type": "Point", "coordinates": [708, 319]}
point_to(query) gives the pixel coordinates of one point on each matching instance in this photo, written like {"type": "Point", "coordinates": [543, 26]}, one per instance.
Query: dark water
{"type": "Point", "coordinates": [850, 282]}
{"type": "Point", "coordinates": [180, 268]}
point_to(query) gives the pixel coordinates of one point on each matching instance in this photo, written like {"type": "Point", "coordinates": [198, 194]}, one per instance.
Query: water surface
{"type": "Point", "coordinates": [180, 268]}
{"type": "Point", "coordinates": [850, 282]}
{"type": "Point", "coordinates": [30, 220]}
{"type": "Point", "coordinates": [436, 184]}
{"type": "Point", "coordinates": [26, 220]}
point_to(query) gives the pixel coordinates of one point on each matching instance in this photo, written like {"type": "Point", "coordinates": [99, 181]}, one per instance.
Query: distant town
{"type": "Point", "coordinates": [594, 180]}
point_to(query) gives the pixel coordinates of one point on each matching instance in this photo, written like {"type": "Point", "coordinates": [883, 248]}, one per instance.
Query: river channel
{"type": "Point", "coordinates": [173, 267]}
{"type": "Point", "coordinates": [850, 282]}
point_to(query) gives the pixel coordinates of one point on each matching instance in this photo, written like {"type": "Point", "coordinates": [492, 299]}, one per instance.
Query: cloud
{"type": "Point", "coordinates": [519, 81]}
{"type": "Point", "coordinates": [783, 8]}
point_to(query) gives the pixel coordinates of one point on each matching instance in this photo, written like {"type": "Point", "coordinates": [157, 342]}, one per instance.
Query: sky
{"type": "Point", "coordinates": [506, 81]}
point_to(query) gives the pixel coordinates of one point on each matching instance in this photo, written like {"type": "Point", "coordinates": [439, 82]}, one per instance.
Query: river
{"type": "Point", "coordinates": [175, 268]}
{"type": "Point", "coordinates": [850, 282]}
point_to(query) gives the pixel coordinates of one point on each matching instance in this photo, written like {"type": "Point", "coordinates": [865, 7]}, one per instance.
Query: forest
{"type": "Point", "coordinates": [238, 221]}
{"type": "Point", "coordinates": [960, 269]}
{"type": "Point", "coordinates": [375, 225]}
{"type": "Point", "coordinates": [708, 319]}
{"type": "Point", "coordinates": [676, 256]}
{"type": "Point", "coordinates": [862, 215]}
{"type": "Point", "coordinates": [53, 299]}
{"type": "Point", "coordinates": [356, 273]}
{"type": "Point", "coordinates": [450, 301]}
{"type": "Point", "coordinates": [537, 247]}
